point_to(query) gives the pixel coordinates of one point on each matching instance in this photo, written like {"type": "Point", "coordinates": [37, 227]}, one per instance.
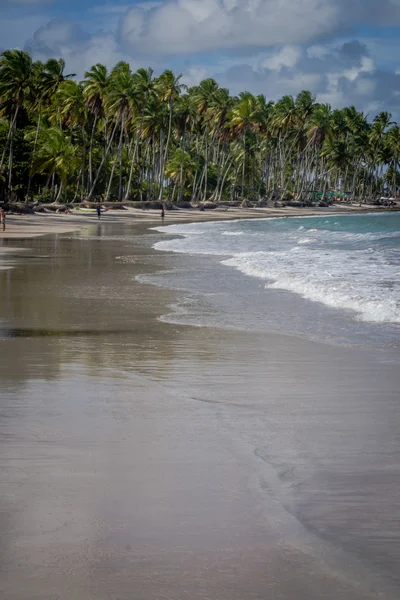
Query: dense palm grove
{"type": "Point", "coordinates": [126, 135]}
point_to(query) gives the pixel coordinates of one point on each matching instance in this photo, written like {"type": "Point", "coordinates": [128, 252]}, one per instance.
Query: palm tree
{"type": "Point", "coordinates": [144, 86]}
{"type": "Point", "coordinates": [244, 118]}
{"type": "Point", "coordinates": [46, 80]}
{"type": "Point", "coordinates": [155, 121]}
{"type": "Point", "coordinates": [70, 112]}
{"type": "Point", "coordinates": [118, 104]}
{"type": "Point", "coordinates": [56, 156]}
{"type": "Point", "coordinates": [202, 97]}
{"type": "Point", "coordinates": [16, 79]}
{"type": "Point", "coordinates": [169, 90]}
{"type": "Point", "coordinates": [392, 145]}
{"type": "Point", "coordinates": [181, 167]}
{"type": "Point", "coordinates": [94, 92]}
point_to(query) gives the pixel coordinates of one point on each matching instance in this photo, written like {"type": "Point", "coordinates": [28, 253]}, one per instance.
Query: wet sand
{"type": "Point", "coordinates": [27, 226]}
{"type": "Point", "coordinates": [146, 460]}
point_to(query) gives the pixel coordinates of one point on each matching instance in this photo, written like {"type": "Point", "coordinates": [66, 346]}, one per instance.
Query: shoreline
{"type": "Point", "coordinates": [28, 226]}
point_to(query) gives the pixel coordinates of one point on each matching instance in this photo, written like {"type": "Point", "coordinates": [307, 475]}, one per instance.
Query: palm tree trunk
{"type": "Point", "coordinates": [221, 190]}
{"type": "Point", "coordinates": [194, 186]}
{"type": "Point", "coordinates": [244, 162]}
{"type": "Point", "coordinates": [174, 190]}
{"type": "Point", "coordinates": [169, 131]}
{"type": "Point", "coordinates": [182, 164]}
{"type": "Point", "coordinates": [394, 182]}
{"type": "Point", "coordinates": [121, 137]}
{"type": "Point", "coordinates": [10, 166]}
{"type": "Point", "coordinates": [9, 137]}
{"type": "Point", "coordinates": [33, 155]}
{"type": "Point", "coordinates": [234, 182]}
{"type": "Point", "coordinates": [59, 192]}
{"type": "Point", "coordinates": [46, 187]}
{"type": "Point", "coordinates": [83, 163]}
{"type": "Point", "coordinates": [91, 152]}
{"type": "Point", "coordinates": [103, 161]}
{"type": "Point", "coordinates": [52, 187]}
{"type": "Point", "coordinates": [111, 177]}
{"type": "Point", "coordinates": [138, 136]}
{"type": "Point", "coordinates": [160, 195]}
{"type": "Point", "coordinates": [206, 167]}
{"type": "Point", "coordinates": [76, 187]}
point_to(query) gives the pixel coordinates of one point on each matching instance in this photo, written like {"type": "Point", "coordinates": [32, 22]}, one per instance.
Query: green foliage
{"type": "Point", "coordinates": [125, 134]}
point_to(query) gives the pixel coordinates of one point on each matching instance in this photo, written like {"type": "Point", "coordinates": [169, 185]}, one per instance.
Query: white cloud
{"type": "Point", "coordinates": [273, 47]}
{"type": "Point", "coordinates": [79, 49]}
{"type": "Point", "coordinates": [340, 76]}
{"type": "Point", "coordinates": [194, 75]}
{"type": "Point", "coordinates": [188, 26]}
{"type": "Point", "coordinates": [288, 56]}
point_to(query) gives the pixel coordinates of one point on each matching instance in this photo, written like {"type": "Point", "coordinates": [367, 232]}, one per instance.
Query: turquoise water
{"type": "Point", "coordinates": [349, 262]}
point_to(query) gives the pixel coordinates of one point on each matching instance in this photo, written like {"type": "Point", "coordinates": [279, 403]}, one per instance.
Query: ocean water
{"type": "Point", "coordinates": [348, 265]}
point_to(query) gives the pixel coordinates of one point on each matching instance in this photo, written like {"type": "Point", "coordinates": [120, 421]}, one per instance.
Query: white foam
{"type": "Point", "coordinates": [337, 267]}
{"type": "Point", "coordinates": [335, 280]}
{"type": "Point", "coordinates": [233, 233]}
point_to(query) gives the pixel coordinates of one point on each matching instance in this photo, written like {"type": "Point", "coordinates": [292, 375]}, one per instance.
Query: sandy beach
{"type": "Point", "coordinates": [27, 226]}
{"type": "Point", "coordinates": [144, 459]}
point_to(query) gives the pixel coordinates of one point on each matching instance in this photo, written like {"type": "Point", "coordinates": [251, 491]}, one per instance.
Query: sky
{"type": "Point", "coordinates": [347, 52]}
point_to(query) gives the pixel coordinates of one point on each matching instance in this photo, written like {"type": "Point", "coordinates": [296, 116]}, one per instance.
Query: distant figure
{"type": "Point", "coordinates": [98, 209]}
{"type": "Point", "coordinates": [3, 218]}
{"type": "Point", "coordinates": [162, 212]}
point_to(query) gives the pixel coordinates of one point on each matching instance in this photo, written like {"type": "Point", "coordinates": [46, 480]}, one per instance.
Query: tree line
{"type": "Point", "coordinates": [126, 135]}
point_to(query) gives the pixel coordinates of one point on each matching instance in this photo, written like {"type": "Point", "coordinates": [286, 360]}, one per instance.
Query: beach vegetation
{"type": "Point", "coordinates": [132, 135]}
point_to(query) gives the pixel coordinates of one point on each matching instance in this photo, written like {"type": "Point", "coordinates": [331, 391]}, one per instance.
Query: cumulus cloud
{"type": "Point", "coordinates": [189, 26]}
{"type": "Point", "coordinates": [79, 49]}
{"type": "Point", "coordinates": [339, 76]}
{"type": "Point", "coordinates": [186, 26]}
{"type": "Point", "coordinates": [273, 47]}
{"type": "Point", "coordinates": [55, 36]}
{"type": "Point", "coordinates": [287, 56]}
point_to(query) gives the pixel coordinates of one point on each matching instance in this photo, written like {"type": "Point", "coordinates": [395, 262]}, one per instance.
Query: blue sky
{"type": "Point", "coordinates": [345, 51]}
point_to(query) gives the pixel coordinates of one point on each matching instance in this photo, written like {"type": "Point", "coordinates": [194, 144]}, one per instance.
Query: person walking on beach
{"type": "Point", "coordinates": [98, 209]}
{"type": "Point", "coordinates": [3, 218]}
{"type": "Point", "coordinates": [162, 212]}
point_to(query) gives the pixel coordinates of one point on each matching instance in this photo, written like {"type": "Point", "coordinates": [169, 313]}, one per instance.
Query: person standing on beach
{"type": "Point", "coordinates": [3, 218]}
{"type": "Point", "coordinates": [162, 212]}
{"type": "Point", "coordinates": [98, 209]}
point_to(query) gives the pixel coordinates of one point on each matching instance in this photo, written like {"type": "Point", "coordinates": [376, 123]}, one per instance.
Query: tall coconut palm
{"type": "Point", "coordinates": [56, 156]}
{"type": "Point", "coordinates": [392, 145]}
{"type": "Point", "coordinates": [144, 86]}
{"type": "Point", "coordinates": [155, 122]}
{"type": "Point", "coordinates": [244, 118]}
{"type": "Point", "coordinates": [122, 104]}
{"type": "Point", "coordinates": [181, 167]}
{"type": "Point", "coordinates": [94, 92]}
{"type": "Point", "coordinates": [16, 79]}
{"type": "Point", "coordinates": [169, 90]}
{"type": "Point", "coordinates": [118, 104]}
{"type": "Point", "coordinates": [70, 112]}
{"type": "Point", "coordinates": [203, 96]}
{"type": "Point", "coordinates": [46, 81]}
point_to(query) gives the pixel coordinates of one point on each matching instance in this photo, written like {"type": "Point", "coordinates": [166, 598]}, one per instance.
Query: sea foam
{"type": "Point", "coordinates": [350, 262]}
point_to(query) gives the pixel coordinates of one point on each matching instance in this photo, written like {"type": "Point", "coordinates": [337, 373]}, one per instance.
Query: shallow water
{"type": "Point", "coordinates": [148, 459]}
{"type": "Point", "coordinates": [348, 265]}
